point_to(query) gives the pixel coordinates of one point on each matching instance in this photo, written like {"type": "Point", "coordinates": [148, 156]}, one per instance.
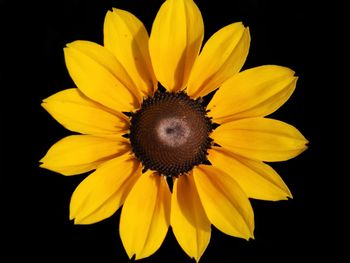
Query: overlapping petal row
{"type": "Point", "coordinates": [116, 77]}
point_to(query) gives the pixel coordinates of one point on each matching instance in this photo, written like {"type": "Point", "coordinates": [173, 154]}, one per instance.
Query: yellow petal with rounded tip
{"type": "Point", "coordinates": [188, 220]}
{"type": "Point", "coordinates": [100, 194]}
{"type": "Point", "coordinates": [78, 113]}
{"type": "Point", "coordinates": [126, 37]}
{"type": "Point", "coordinates": [224, 202]}
{"type": "Point", "coordinates": [255, 92]}
{"type": "Point", "coordinates": [99, 75]}
{"type": "Point", "coordinates": [260, 139]}
{"type": "Point", "coordinates": [176, 38]}
{"type": "Point", "coordinates": [145, 216]}
{"type": "Point", "coordinates": [78, 154]}
{"type": "Point", "coordinates": [222, 56]}
{"type": "Point", "coordinates": [257, 179]}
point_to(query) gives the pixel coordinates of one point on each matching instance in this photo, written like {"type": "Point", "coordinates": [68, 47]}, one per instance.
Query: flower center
{"type": "Point", "coordinates": [173, 131]}
{"type": "Point", "coordinates": [170, 133]}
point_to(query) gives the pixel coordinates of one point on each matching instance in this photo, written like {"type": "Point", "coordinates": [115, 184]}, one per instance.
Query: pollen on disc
{"type": "Point", "coordinates": [173, 131]}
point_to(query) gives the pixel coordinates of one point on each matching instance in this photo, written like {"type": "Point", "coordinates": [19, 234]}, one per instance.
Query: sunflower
{"type": "Point", "coordinates": [157, 148]}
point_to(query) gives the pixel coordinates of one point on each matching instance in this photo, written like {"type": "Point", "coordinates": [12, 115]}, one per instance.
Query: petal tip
{"type": "Point", "coordinates": [288, 194]}
{"type": "Point", "coordinates": [290, 72]}
{"type": "Point", "coordinates": [249, 236]}
{"type": "Point", "coordinates": [197, 258]}
{"type": "Point", "coordinates": [72, 44]}
{"type": "Point", "coordinates": [81, 221]}
{"type": "Point", "coordinates": [110, 13]}
{"type": "Point", "coordinates": [44, 103]}
{"type": "Point", "coordinates": [131, 255]}
{"type": "Point", "coordinates": [42, 160]}
{"type": "Point", "coordinates": [76, 221]}
{"type": "Point", "coordinates": [238, 23]}
{"type": "Point", "coordinates": [305, 147]}
{"type": "Point", "coordinates": [116, 10]}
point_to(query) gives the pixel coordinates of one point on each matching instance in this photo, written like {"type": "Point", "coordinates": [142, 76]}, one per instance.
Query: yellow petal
{"type": "Point", "coordinates": [254, 92]}
{"type": "Point", "coordinates": [126, 37]}
{"type": "Point", "coordinates": [78, 113]}
{"type": "Point", "coordinates": [222, 56]}
{"type": "Point", "coordinates": [188, 220]}
{"type": "Point", "coordinates": [98, 74]}
{"type": "Point", "coordinates": [224, 202]}
{"type": "Point", "coordinates": [100, 194]}
{"type": "Point", "coordinates": [176, 38]}
{"type": "Point", "coordinates": [144, 220]}
{"type": "Point", "coordinates": [257, 179]}
{"type": "Point", "coordinates": [260, 139]}
{"type": "Point", "coordinates": [78, 154]}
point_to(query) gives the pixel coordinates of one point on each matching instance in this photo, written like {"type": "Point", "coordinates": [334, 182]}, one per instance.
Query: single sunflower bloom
{"type": "Point", "coordinates": [139, 135]}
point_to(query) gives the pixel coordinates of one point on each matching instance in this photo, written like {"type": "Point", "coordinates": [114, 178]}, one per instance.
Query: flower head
{"type": "Point", "coordinates": [137, 135]}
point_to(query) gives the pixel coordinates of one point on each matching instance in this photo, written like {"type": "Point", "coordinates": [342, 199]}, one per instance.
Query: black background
{"type": "Point", "coordinates": [36, 201]}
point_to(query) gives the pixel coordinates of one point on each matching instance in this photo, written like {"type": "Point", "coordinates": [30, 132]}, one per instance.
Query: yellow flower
{"type": "Point", "coordinates": [139, 136]}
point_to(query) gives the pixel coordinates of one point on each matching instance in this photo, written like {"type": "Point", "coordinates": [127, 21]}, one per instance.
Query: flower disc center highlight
{"type": "Point", "coordinates": [173, 131]}
{"type": "Point", "coordinates": [170, 133]}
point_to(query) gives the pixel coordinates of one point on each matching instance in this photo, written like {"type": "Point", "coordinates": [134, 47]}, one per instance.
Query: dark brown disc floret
{"type": "Point", "coordinates": [170, 133]}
